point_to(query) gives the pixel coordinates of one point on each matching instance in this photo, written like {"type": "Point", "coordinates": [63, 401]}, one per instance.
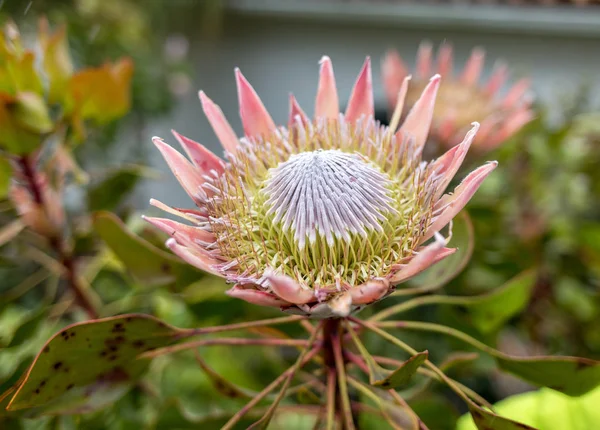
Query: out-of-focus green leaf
{"type": "Point", "coordinates": [486, 420]}
{"type": "Point", "coordinates": [57, 60]}
{"type": "Point", "coordinates": [146, 263]}
{"type": "Point", "coordinates": [221, 384]}
{"type": "Point", "coordinates": [573, 376]}
{"type": "Point", "coordinates": [5, 175]}
{"type": "Point", "coordinates": [30, 112]}
{"type": "Point", "coordinates": [403, 374]}
{"type": "Point", "coordinates": [115, 186]}
{"type": "Point", "coordinates": [14, 139]}
{"type": "Point", "coordinates": [101, 93]}
{"type": "Point", "coordinates": [490, 311]}
{"type": "Point", "coordinates": [443, 272]}
{"type": "Point", "coordinates": [547, 409]}
{"type": "Point", "coordinates": [88, 365]}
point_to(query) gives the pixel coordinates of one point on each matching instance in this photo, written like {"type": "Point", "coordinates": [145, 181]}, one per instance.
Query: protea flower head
{"type": "Point", "coordinates": [320, 217]}
{"type": "Point", "coordinates": [462, 99]}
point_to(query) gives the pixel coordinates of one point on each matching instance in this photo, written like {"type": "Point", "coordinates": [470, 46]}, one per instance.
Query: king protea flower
{"type": "Point", "coordinates": [462, 99]}
{"type": "Point", "coordinates": [320, 217]}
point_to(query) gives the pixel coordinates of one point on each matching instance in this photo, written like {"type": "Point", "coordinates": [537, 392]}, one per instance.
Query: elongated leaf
{"type": "Point", "coordinates": [376, 372]}
{"type": "Point", "coordinates": [222, 385]}
{"type": "Point", "coordinates": [573, 376]}
{"type": "Point", "coordinates": [486, 420]}
{"type": "Point", "coordinates": [490, 311]}
{"type": "Point", "coordinates": [146, 263]}
{"type": "Point", "coordinates": [89, 364]}
{"type": "Point", "coordinates": [403, 374]}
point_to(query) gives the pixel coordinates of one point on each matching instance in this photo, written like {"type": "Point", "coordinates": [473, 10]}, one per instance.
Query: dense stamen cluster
{"type": "Point", "coordinates": [324, 216]}
{"type": "Point", "coordinates": [323, 205]}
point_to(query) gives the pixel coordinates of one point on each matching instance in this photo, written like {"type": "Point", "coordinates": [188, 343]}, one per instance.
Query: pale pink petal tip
{"type": "Point", "coordinates": [188, 176]}
{"type": "Point", "coordinates": [473, 67]}
{"type": "Point", "coordinates": [296, 113]}
{"type": "Point", "coordinates": [369, 292]}
{"type": "Point", "coordinates": [183, 233]}
{"type": "Point", "coordinates": [424, 59]}
{"type": "Point", "coordinates": [427, 256]}
{"type": "Point", "coordinates": [361, 99]}
{"type": "Point", "coordinates": [327, 104]}
{"type": "Point", "coordinates": [289, 290]}
{"type": "Point", "coordinates": [202, 262]}
{"type": "Point", "coordinates": [445, 59]}
{"type": "Point", "coordinates": [419, 118]}
{"type": "Point", "coordinates": [256, 297]}
{"type": "Point", "coordinates": [255, 118]}
{"type": "Point", "coordinates": [202, 158]}
{"type": "Point", "coordinates": [219, 123]}
{"type": "Point", "coordinates": [452, 204]}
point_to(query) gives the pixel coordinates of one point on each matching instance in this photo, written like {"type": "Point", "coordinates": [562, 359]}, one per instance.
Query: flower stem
{"type": "Point", "coordinates": [334, 362]}
{"type": "Point", "coordinates": [238, 326]}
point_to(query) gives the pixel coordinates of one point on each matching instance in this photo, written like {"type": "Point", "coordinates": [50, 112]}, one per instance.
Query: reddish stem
{"type": "Point", "coordinates": [66, 258]}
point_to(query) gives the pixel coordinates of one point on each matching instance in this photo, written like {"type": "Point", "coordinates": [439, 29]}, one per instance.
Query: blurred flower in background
{"type": "Point", "coordinates": [462, 98]}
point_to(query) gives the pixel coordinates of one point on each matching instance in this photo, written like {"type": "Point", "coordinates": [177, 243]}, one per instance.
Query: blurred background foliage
{"type": "Point", "coordinates": [88, 253]}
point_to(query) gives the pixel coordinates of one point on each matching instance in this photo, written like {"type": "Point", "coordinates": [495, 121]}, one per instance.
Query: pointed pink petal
{"type": "Point", "coordinates": [188, 176]}
{"type": "Point", "coordinates": [202, 158]}
{"type": "Point", "coordinates": [427, 256]}
{"type": "Point", "coordinates": [446, 128]}
{"type": "Point", "coordinates": [256, 297]}
{"type": "Point", "coordinates": [369, 292]}
{"type": "Point", "coordinates": [289, 290]}
{"type": "Point", "coordinates": [172, 211]}
{"type": "Point", "coordinates": [516, 93]}
{"type": "Point", "coordinates": [255, 118]}
{"type": "Point", "coordinates": [497, 79]}
{"type": "Point", "coordinates": [418, 121]}
{"type": "Point", "coordinates": [361, 99]}
{"type": "Point", "coordinates": [399, 104]}
{"type": "Point", "coordinates": [183, 233]}
{"type": "Point", "coordinates": [218, 122]}
{"type": "Point", "coordinates": [474, 66]}
{"type": "Point", "coordinates": [327, 104]}
{"type": "Point", "coordinates": [451, 204]}
{"type": "Point", "coordinates": [296, 112]}
{"type": "Point", "coordinates": [511, 125]}
{"type": "Point", "coordinates": [448, 164]}
{"type": "Point", "coordinates": [445, 60]}
{"type": "Point", "coordinates": [393, 73]}
{"type": "Point", "coordinates": [424, 60]}
{"type": "Point", "coordinates": [201, 261]}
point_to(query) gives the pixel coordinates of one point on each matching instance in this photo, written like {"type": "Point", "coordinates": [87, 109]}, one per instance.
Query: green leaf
{"type": "Point", "coordinates": [547, 409]}
{"type": "Point", "coordinates": [403, 374]}
{"type": "Point", "coordinates": [88, 365]}
{"type": "Point", "coordinates": [5, 176]}
{"type": "Point", "coordinates": [114, 187]}
{"type": "Point", "coordinates": [490, 311]}
{"type": "Point", "coordinates": [57, 60]}
{"type": "Point", "coordinates": [147, 264]}
{"type": "Point", "coordinates": [443, 272]}
{"type": "Point", "coordinates": [31, 113]}
{"type": "Point", "coordinates": [221, 384]}
{"type": "Point", "coordinates": [573, 376]}
{"type": "Point", "coordinates": [486, 420]}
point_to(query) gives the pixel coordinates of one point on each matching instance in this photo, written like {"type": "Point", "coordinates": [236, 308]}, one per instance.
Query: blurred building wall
{"type": "Point", "coordinates": [280, 55]}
